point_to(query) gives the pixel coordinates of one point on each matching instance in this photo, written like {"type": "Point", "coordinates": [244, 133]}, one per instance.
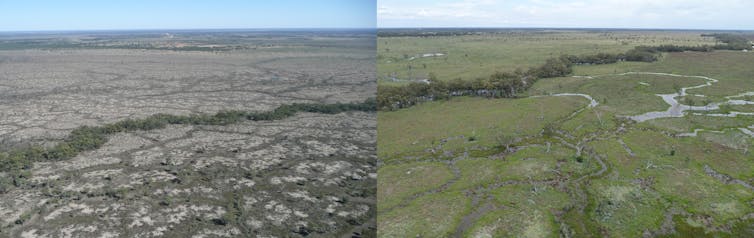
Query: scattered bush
{"type": "Point", "coordinates": [725, 108]}
{"type": "Point", "coordinates": [5, 184]}
{"type": "Point", "coordinates": [23, 218]}
{"type": "Point", "coordinates": [579, 159]}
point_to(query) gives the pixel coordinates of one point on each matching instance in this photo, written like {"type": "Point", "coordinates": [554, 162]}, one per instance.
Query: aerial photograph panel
{"type": "Point", "coordinates": [565, 118]}
{"type": "Point", "coordinates": [187, 119]}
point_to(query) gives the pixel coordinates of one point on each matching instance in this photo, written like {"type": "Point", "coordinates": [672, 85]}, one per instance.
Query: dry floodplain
{"type": "Point", "coordinates": [307, 175]}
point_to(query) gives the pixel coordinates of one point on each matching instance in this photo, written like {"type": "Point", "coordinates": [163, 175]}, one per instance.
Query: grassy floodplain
{"type": "Point", "coordinates": [479, 55]}
{"type": "Point", "coordinates": [541, 165]}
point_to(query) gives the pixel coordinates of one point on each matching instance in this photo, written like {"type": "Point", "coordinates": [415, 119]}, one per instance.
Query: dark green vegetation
{"type": "Point", "coordinates": [87, 138]}
{"type": "Point", "coordinates": [539, 165]}
{"type": "Point", "coordinates": [511, 84]}
{"type": "Point", "coordinates": [734, 42]}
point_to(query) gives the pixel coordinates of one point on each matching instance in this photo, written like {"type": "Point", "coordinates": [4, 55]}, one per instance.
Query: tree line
{"type": "Point", "coordinates": [497, 85]}
{"type": "Point", "coordinates": [87, 138]}
{"type": "Point", "coordinates": [511, 84]}
{"type": "Point", "coordinates": [732, 41]}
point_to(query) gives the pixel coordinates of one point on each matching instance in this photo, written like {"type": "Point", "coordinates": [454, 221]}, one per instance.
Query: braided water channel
{"type": "Point", "coordinates": [677, 109]}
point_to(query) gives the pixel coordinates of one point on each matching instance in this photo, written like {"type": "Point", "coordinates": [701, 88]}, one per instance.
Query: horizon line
{"type": "Point", "coordinates": [190, 29]}
{"type": "Point", "coordinates": [573, 28]}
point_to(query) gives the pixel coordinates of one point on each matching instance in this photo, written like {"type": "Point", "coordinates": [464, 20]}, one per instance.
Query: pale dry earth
{"type": "Point", "coordinates": [45, 94]}
{"type": "Point", "coordinates": [308, 175]}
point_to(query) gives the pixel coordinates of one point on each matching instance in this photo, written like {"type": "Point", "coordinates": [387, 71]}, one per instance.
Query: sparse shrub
{"type": "Point", "coordinates": [60, 152]}
{"type": "Point", "coordinates": [506, 140]}
{"type": "Point", "coordinates": [725, 108]}
{"type": "Point", "coordinates": [604, 210]}
{"type": "Point", "coordinates": [19, 177]}
{"type": "Point", "coordinates": [166, 202]}
{"type": "Point", "coordinates": [549, 130]}
{"type": "Point", "coordinates": [689, 101]}
{"type": "Point", "coordinates": [24, 217]}
{"type": "Point", "coordinates": [222, 221]}
{"type": "Point", "coordinates": [5, 184]}
{"type": "Point", "coordinates": [579, 159]}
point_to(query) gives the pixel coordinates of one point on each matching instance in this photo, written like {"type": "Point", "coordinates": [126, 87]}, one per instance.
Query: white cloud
{"type": "Point", "coordinates": [719, 14]}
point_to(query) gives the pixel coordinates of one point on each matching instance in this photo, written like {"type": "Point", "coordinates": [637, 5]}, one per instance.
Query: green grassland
{"type": "Point", "coordinates": [733, 66]}
{"type": "Point", "coordinates": [478, 123]}
{"type": "Point", "coordinates": [528, 212]}
{"type": "Point", "coordinates": [550, 166]}
{"type": "Point", "coordinates": [429, 216]}
{"type": "Point", "coordinates": [404, 180]}
{"type": "Point", "coordinates": [472, 56]}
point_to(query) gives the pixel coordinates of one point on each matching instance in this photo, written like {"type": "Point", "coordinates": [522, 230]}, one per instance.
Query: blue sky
{"type": "Point", "coordinates": [37, 15]}
{"type": "Point", "coordinates": [677, 14]}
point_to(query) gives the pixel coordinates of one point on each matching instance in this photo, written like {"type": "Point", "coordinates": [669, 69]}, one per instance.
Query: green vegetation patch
{"type": "Point", "coordinates": [435, 215]}
{"type": "Point", "coordinates": [622, 163]}
{"type": "Point", "coordinates": [732, 68]}
{"type": "Point", "coordinates": [657, 150]}
{"type": "Point", "coordinates": [591, 120]}
{"type": "Point", "coordinates": [522, 211]}
{"type": "Point", "coordinates": [731, 138]}
{"type": "Point", "coordinates": [463, 123]}
{"type": "Point", "coordinates": [702, 194]}
{"type": "Point", "coordinates": [400, 181]}
{"type": "Point", "coordinates": [625, 208]}
{"type": "Point", "coordinates": [676, 166]}
{"type": "Point", "coordinates": [605, 69]}
{"type": "Point", "coordinates": [743, 108]}
{"type": "Point", "coordinates": [691, 122]}
{"type": "Point", "coordinates": [529, 164]}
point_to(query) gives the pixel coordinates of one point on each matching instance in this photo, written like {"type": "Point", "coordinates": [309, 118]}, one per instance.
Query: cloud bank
{"type": "Point", "coordinates": [665, 14]}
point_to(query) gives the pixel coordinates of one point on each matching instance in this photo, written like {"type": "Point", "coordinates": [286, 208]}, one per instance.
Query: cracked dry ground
{"type": "Point", "coordinates": [311, 174]}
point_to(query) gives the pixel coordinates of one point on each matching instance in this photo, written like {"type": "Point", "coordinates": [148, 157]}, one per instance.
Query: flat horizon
{"type": "Point", "coordinates": [198, 29]}
{"type": "Point", "coordinates": [569, 28]}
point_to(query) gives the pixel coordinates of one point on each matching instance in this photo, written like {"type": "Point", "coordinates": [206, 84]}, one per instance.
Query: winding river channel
{"type": "Point", "coordinates": [676, 109]}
